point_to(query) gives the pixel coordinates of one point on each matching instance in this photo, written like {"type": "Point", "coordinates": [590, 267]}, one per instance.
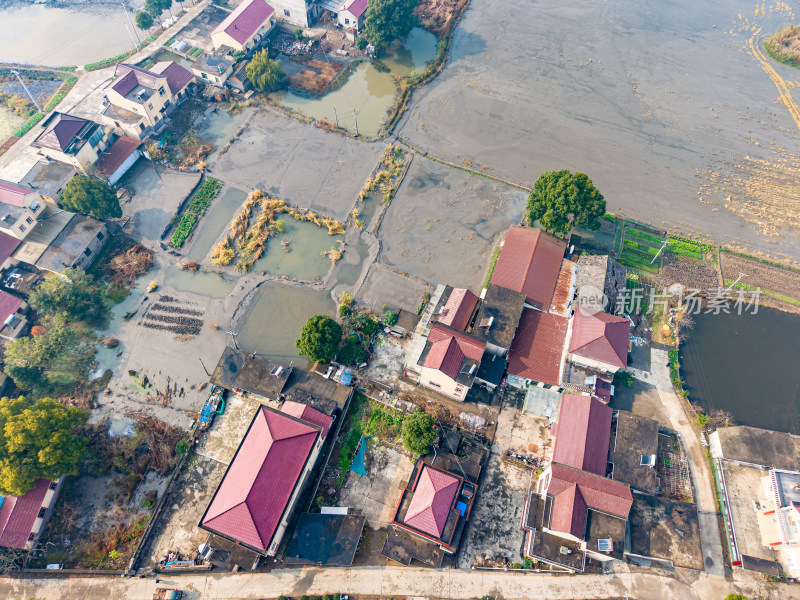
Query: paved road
{"type": "Point", "coordinates": [706, 502]}
{"type": "Point", "coordinates": [400, 581]}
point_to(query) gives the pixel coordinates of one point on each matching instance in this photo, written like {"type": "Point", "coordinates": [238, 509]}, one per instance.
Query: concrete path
{"type": "Point", "coordinates": [706, 495]}
{"type": "Point", "coordinates": [399, 581]}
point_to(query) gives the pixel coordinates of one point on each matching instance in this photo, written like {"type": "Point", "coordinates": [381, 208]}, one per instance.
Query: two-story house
{"type": "Point", "coordinates": [72, 140]}
{"type": "Point", "coordinates": [351, 14]}
{"type": "Point", "coordinates": [245, 28]}
{"type": "Point", "coordinates": [140, 100]}
{"type": "Point", "coordinates": [20, 209]}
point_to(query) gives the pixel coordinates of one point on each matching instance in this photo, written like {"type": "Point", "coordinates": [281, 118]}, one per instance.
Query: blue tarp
{"type": "Point", "coordinates": [346, 377]}
{"type": "Point", "coordinates": [358, 465]}
{"type": "Point", "coordinates": [462, 508]}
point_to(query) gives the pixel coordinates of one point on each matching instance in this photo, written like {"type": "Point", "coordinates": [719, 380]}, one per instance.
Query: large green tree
{"type": "Point", "coordinates": [319, 339]}
{"type": "Point", "coordinates": [352, 352]}
{"type": "Point", "coordinates": [144, 20]}
{"type": "Point", "coordinates": [38, 440]}
{"type": "Point", "coordinates": [561, 200]}
{"type": "Point", "coordinates": [74, 294]}
{"type": "Point", "coordinates": [418, 433]}
{"type": "Point", "coordinates": [92, 197]}
{"type": "Point", "coordinates": [265, 73]}
{"type": "Point", "coordinates": [389, 20]}
{"type": "Point", "coordinates": [51, 363]}
{"type": "Point", "coordinates": [153, 8]}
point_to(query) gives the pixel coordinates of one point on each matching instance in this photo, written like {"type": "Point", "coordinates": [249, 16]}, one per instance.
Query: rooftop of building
{"type": "Point", "coordinates": [50, 223]}
{"type": "Point", "coordinates": [216, 61]}
{"type": "Point", "coordinates": [601, 337]}
{"type": "Point", "coordinates": [634, 441]}
{"type": "Point", "coordinates": [245, 20]}
{"type": "Point", "coordinates": [118, 153]}
{"type": "Point", "coordinates": [69, 244]}
{"type": "Point", "coordinates": [256, 375]}
{"type": "Point", "coordinates": [452, 352]}
{"type": "Point", "coordinates": [49, 177]}
{"type": "Point", "coordinates": [666, 530]}
{"type": "Point", "coordinates": [499, 316]}
{"type": "Point", "coordinates": [564, 292]}
{"type": "Point", "coordinates": [324, 395]}
{"type": "Point", "coordinates": [14, 194]}
{"type": "Point", "coordinates": [598, 277]}
{"type": "Point", "coordinates": [492, 368]}
{"type": "Point", "coordinates": [605, 534]}
{"type": "Point", "coordinates": [406, 320]}
{"type": "Point", "coordinates": [327, 540]}
{"type": "Point", "coordinates": [255, 491]}
{"type": "Point", "coordinates": [530, 262]}
{"type": "Point", "coordinates": [582, 433]}
{"type": "Point", "coordinates": [19, 513]}
{"type": "Point", "coordinates": [538, 347]}
{"type": "Point", "coordinates": [547, 547]}
{"type": "Point", "coordinates": [455, 308]}
{"type": "Point", "coordinates": [750, 445]}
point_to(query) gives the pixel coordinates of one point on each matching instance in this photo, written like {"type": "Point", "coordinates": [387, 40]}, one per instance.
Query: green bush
{"type": "Point", "coordinates": [702, 419]}
{"type": "Point", "coordinates": [28, 125]}
{"type": "Point", "coordinates": [389, 318]}
{"type": "Point", "coordinates": [183, 230]}
{"type": "Point", "coordinates": [492, 263]}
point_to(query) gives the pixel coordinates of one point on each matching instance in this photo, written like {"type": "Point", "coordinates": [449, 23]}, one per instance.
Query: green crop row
{"type": "Point", "coordinates": [195, 52]}
{"type": "Point", "coordinates": [183, 230]}
{"type": "Point", "coordinates": [630, 232]}
{"type": "Point", "coordinates": [204, 195]}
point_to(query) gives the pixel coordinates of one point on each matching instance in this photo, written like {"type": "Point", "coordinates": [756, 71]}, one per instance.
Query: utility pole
{"type": "Point", "coordinates": [204, 366]}
{"type": "Point", "coordinates": [355, 116]}
{"type": "Point", "coordinates": [127, 14]}
{"type": "Point", "coordinates": [133, 41]}
{"type": "Point", "coordinates": [336, 116]}
{"type": "Point", "coordinates": [27, 91]}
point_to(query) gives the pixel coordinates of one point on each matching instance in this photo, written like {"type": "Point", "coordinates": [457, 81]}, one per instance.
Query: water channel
{"type": "Point", "coordinates": [368, 91]}
{"type": "Point", "coordinates": [746, 365]}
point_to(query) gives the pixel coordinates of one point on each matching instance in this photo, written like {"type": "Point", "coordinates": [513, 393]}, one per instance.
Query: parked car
{"type": "Point", "coordinates": [167, 594]}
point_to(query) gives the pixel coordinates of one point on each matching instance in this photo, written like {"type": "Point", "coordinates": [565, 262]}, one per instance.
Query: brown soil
{"type": "Point", "coordinates": [435, 15]}
{"type": "Point", "coordinates": [317, 76]}
{"type": "Point", "coordinates": [691, 273]}
{"type": "Point", "coordinates": [772, 280]}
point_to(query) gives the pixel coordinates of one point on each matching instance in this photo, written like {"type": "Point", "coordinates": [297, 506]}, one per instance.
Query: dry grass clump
{"type": "Point", "coordinates": [390, 167]}
{"type": "Point", "coordinates": [125, 268]}
{"type": "Point", "coordinates": [435, 15]}
{"type": "Point", "coordinates": [784, 46]}
{"type": "Point", "coordinates": [223, 253]}
{"type": "Point", "coordinates": [335, 253]}
{"type": "Point", "coordinates": [316, 77]}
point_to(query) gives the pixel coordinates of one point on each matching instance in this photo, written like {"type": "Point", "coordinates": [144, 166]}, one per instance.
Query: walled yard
{"type": "Point", "coordinates": [443, 221]}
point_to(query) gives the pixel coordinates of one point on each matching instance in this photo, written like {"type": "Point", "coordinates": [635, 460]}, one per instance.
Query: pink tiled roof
{"type": "Point", "coordinates": [529, 262]}
{"type": "Point", "coordinates": [538, 347]}
{"type": "Point", "coordinates": [308, 414]}
{"type": "Point", "coordinates": [13, 194]}
{"type": "Point", "coordinates": [433, 498]}
{"type": "Point", "coordinates": [582, 433]}
{"type": "Point", "coordinates": [590, 491]}
{"type": "Point", "coordinates": [18, 514]}
{"type": "Point", "coordinates": [471, 347]}
{"type": "Point", "coordinates": [600, 336]}
{"type": "Point", "coordinates": [459, 308]}
{"type": "Point", "coordinates": [178, 77]}
{"type": "Point", "coordinates": [8, 306]}
{"type": "Point", "coordinates": [256, 489]}
{"type": "Point", "coordinates": [356, 7]}
{"type": "Point", "coordinates": [60, 131]}
{"type": "Point", "coordinates": [8, 243]}
{"type": "Point", "coordinates": [243, 22]}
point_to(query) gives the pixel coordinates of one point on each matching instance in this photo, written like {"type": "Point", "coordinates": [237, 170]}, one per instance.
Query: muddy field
{"type": "Point", "coordinates": [780, 287]}
{"type": "Point", "coordinates": [647, 99]}
{"type": "Point", "coordinates": [301, 164]}
{"type": "Point", "coordinates": [442, 224]}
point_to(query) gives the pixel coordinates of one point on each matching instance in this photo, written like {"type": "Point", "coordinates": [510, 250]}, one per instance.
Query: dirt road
{"type": "Point", "coordinates": [399, 581]}
{"type": "Point", "coordinates": [706, 504]}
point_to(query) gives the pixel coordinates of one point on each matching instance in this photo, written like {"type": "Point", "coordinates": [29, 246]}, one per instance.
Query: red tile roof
{"type": "Point", "coordinates": [582, 433]}
{"type": "Point", "coordinates": [8, 306]}
{"type": "Point", "coordinates": [432, 501]}
{"type": "Point", "coordinates": [584, 490]}
{"type": "Point", "coordinates": [8, 243]}
{"type": "Point", "coordinates": [178, 77]}
{"type": "Point", "coordinates": [538, 347]}
{"type": "Point", "coordinates": [600, 336]}
{"type": "Point", "coordinates": [565, 288]}
{"type": "Point", "coordinates": [308, 414]}
{"type": "Point", "coordinates": [112, 159]}
{"type": "Point", "coordinates": [18, 514]}
{"type": "Point", "coordinates": [254, 493]}
{"type": "Point", "coordinates": [13, 194]}
{"type": "Point", "coordinates": [246, 20]}
{"type": "Point", "coordinates": [459, 308]}
{"type": "Point", "coordinates": [449, 348]}
{"type": "Point", "coordinates": [356, 7]}
{"type": "Point", "coordinates": [529, 262]}
{"type": "Point", "coordinates": [60, 131]}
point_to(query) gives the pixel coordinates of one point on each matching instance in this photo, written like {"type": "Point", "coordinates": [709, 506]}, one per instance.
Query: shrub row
{"type": "Point", "coordinates": [119, 57]}
{"type": "Point", "coordinates": [28, 125]}
{"type": "Point", "coordinates": [68, 84]}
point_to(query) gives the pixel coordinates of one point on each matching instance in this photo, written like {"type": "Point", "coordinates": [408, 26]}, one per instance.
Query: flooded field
{"type": "Point", "coordinates": [301, 256]}
{"type": "Point", "coordinates": [213, 224]}
{"type": "Point", "coordinates": [648, 99]}
{"type": "Point", "coordinates": [275, 317]}
{"type": "Point", "coordinates": [442, 224]}
{"type": "Point", "coordinates": [368, 91]}
{"type": "Point", "coordinates": [212, 285]}
{"type": "Point", "coordinates": [730, 363]}
{"type": "Point", "coordinates": [43, 35]}
{"type": "Point", "coordinates": [303, 165]}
